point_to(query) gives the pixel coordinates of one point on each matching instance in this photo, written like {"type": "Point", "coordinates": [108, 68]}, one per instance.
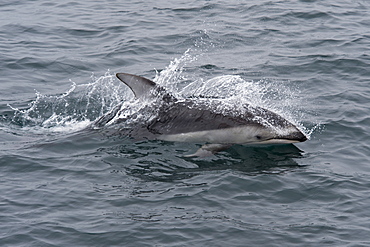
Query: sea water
{"type": "Point", "coordinates": [63, 186]}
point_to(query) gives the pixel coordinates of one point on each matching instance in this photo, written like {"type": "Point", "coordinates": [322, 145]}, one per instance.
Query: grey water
{"type": "Point", "coordinates": [61, 185]}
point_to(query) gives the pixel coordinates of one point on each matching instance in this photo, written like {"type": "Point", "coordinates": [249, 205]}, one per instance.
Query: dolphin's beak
{"type": "Point", "coordinates": [294, 136]}
{"type": "Point", "coordinates": [301, 137]}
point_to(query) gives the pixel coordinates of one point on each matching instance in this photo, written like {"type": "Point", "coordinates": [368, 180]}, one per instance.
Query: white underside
{"type": "Point", "coordinates": [236, 135]}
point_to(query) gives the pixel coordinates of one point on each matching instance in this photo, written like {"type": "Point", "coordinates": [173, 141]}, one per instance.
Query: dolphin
{"type": "Point", "coordinates": [188, 121]}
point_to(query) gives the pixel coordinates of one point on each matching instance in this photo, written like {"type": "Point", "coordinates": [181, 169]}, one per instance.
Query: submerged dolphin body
{"type": "Point", "coordinates": [187, 121]}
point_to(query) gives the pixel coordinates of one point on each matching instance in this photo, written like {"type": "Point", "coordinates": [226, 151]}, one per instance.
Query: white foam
{"type": "Point", "coordinates": [233, 92]}
{"type": "Point", "coordinates": [73, 109]}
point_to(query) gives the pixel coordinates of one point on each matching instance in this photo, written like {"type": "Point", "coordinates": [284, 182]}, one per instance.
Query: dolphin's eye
{"type": "Point", "coordinates": [258, 137]}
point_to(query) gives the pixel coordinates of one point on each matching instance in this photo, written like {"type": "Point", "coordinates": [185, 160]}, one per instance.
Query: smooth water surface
{"type": "Point", "coordinates": [63, 185]}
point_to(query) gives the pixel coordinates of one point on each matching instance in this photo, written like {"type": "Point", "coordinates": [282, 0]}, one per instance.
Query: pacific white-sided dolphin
{"type": "Point", "coordinates": [187, 121]}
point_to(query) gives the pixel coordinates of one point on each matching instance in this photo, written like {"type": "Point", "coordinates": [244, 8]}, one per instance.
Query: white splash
{"type": "Point", "coordinates": [74, 109]}
{"type": "Point", "coordinates": [233, 92]}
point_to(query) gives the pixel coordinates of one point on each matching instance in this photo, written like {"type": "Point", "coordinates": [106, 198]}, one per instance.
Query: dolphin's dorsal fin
{"type": "Point", "coordinates": [139, 85]}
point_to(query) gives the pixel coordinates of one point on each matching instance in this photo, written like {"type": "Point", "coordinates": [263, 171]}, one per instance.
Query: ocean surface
{"type": "Point", "coordinates": [65, 184]}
